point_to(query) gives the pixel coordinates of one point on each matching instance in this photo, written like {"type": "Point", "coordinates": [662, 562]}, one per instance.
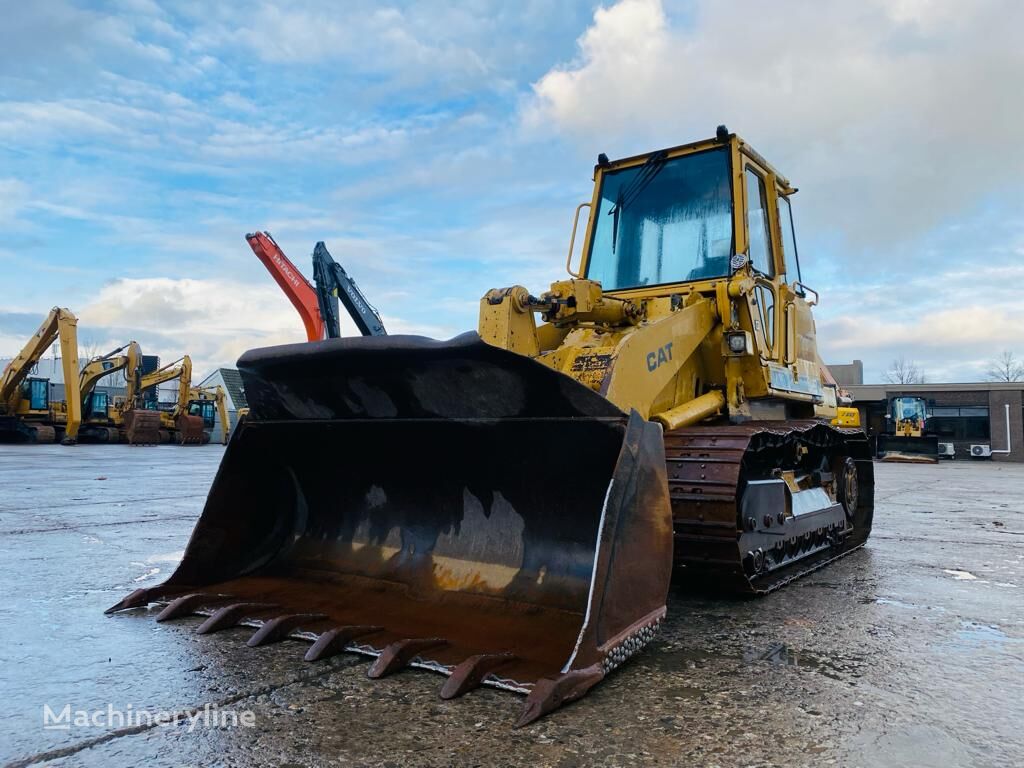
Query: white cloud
{"type": "Point", "coordinates": [890, 117]}
{"type": "Point", "coordinates": [212, 320]}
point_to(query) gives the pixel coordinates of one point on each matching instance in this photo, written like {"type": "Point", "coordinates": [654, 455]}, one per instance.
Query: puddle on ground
{"type": "Point", "coordinates": [670, 659]}
{"type": "Point", "coordinates": [899, 604]}
{"type": "Point", "coordinates": [782, 655]}
{"type": "Point", "coordinates": [673, 659]}
{"type": "Point", "coordinates": [973, 633]}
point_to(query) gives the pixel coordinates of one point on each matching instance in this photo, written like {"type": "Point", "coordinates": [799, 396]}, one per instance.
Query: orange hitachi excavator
{"type": "Point", "coordinates": [317, 305]}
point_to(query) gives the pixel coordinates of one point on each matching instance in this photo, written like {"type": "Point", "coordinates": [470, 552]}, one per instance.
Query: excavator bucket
{"type": "Point", "coordinates": [444, 505]}
{"type": "Point", "coordinates": [142, 427]}
{"type": "Point", "coordinates": [190, 430]}
{"type": "Point", "coordinates": [909, 450]}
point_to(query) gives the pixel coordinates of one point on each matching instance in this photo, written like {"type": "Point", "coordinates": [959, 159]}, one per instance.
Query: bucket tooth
{"type": "Point", "coordinates": [470, 673]}
{"type": "Point", "coordinates": [229, 616]}
{"type": "Point", "coordinates": [399, 653]}
{"type": "Point", "coordinates": [279, 627]}
{"type": "Point", "coordinates": [550, 693]}
{"type": "Point", "coordinates": [186, 605]}
{"type": "Point", "coordinates": [336, 640]}
{"type": "Point", "coordinates": [136, 599]}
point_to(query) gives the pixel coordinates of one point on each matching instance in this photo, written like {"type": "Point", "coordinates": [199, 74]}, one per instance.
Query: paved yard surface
{"type": "Point", "coordinates": [907, 653]}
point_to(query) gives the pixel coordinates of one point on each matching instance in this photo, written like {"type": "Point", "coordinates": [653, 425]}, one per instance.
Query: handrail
{"type": "Point", "coordinates": [572, 239]}
{"type": "Point", "coordinates": [806, 287]}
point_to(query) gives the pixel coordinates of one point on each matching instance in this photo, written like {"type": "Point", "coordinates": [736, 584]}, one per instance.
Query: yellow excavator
{"type": "Point", "coordinates": [103, 420]}
{"type": "Point", "coordinates": [207, 403]}
{"type": "Point", "coordinates": [511, 504]}
{"type": "Point", "coordinates": [193, 414]}
{"type": "Point", "coordinates": [194, 411]}
{"type": "Point", "coordinates": [26, 411]}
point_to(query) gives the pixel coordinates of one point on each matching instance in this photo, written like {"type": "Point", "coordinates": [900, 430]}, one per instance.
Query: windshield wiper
{"type": "Point", "coordinates": [651, 168]}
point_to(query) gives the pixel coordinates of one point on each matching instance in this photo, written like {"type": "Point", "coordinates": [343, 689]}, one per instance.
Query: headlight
{"type": "Point", "coordinates": [737, 343]}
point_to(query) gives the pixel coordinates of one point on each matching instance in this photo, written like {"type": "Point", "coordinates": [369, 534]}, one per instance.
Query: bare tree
{"type": "Point", "coordinates": [1006, 367]}
{"type": "Point", "coordinates": [87, 350]}
{"type": "Point", "coordinates": [903, 371]}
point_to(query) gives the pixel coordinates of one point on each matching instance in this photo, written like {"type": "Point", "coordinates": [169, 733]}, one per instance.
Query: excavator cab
{"type": "Point", "coordinates": [205, 410]}
{"type": "Point", "coordinates": [35, 393]}
{"type": "Point", "coordinates": [95, 406]}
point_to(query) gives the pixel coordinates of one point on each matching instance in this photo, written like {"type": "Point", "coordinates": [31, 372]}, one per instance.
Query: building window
{"type": "Point", "coordinates": [964, 423]}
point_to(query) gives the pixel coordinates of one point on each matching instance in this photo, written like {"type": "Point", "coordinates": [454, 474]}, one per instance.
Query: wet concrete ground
{"type": "Point", "coordinates": [907, 653]}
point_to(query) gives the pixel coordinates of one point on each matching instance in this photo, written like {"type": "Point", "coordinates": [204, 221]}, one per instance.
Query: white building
{"type": "Point", "coordinates": [231, 381]}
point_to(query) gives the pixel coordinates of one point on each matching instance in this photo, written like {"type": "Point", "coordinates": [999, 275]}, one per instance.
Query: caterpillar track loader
{"type": "Point", "coordinates": [26, 412]}
{"type": "Point", "coordinates": [506, 508]}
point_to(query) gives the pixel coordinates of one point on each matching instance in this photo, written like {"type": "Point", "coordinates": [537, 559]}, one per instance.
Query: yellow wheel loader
{"type": "Point", "coordinates": [507, 508]}
{"type": "Point", "coordinates": [906, 438]}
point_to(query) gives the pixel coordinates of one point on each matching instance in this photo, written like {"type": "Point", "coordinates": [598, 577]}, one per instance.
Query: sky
{"type": "Point", "coordinates": [439, 148]}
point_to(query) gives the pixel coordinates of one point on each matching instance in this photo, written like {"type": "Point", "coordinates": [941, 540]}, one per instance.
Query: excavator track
{"type": "Point", "coordinates": [757, 505]}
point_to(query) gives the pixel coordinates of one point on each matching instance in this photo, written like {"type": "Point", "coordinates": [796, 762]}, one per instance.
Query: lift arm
{"type": "Point", "coordinates": [333, 283]}
{"type": "Point", "coordinates": [60, 323]}
{"type": "Point", "coordinates": [297, 288]}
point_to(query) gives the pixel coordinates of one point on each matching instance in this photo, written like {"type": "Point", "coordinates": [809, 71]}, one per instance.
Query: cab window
{"type": "Point", "coordinates": [668, 220]}
{"type": "Point", "coordinates": [789, 254]}
{"type": "Point", "coordinates": [757, 224]}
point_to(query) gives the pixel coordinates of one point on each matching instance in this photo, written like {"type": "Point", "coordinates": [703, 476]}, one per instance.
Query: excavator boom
{"type": "Point", "coordinates": [333, 284]}
{"type": "Point", "coordinates": [297, 288]}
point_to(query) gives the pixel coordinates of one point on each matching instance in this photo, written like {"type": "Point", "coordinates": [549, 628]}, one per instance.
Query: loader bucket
{"type": "Point", "coordinates": [444, 505]}
{"type": "Point", "coordinates": [909, 450]}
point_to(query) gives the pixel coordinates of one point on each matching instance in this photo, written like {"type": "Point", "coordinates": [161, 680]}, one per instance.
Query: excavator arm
{"type": "Point", "coordinates": [112, 362]}
{"type": "Point", "coordinates": [297, 288]}
{"type": "Point", "coordinates": [179, 369]}
{"type": "Point", "coordinates": [200, 394]}
{"type": "Point", "coordinates": [333, 284]}
{"type": "Point", "coordinates": [60, 324]}
{"type": "Point", "coordinates": [318, 306]}
{"type": "Point", "coordinates": [222, 411]}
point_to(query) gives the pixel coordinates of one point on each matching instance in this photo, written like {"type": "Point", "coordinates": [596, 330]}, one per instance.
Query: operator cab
{"type": "Point", "coordinates": [909, 410]}
{"type": "Point", "coordinates": [204, 409]}
{"type": "Point", "coordinates": [37, 392]}
{"type": "Point", "coordinates": [95, 405]}
{"type": "Point", "coordinates": [676, 216]}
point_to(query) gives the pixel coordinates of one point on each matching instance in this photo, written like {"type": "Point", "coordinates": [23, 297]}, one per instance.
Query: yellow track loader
{"type": "Point", "coordinates": [506, 508]}
{"type": "Point", "coordinates": [26, 412]}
